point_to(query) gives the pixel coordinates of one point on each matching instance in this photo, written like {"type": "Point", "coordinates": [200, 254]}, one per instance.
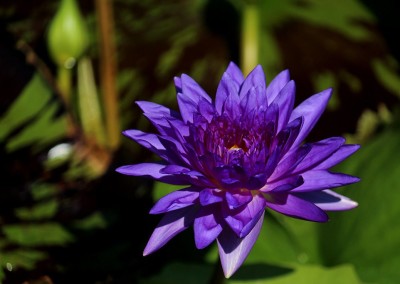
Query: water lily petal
{"type": "Point", "coordinates": [285, 102]}
{"type": "Point", "coordinates": [155, 171]}
{"type": "Point", "coordinates": [319, 152]}
{"type": "Point", "coordinates": [159, 115]}
{"type": "Point", "coordinates": [290, 162]}
{"type": "Point", "coordinates": [284, 184]}
{"type": "Point", "coordinates": [236, 74]}
{"type": "Point", "coordinates": [209, 196]}
{"type": "Point", "coordinates": [175, 200]}
{"type": "Point", "coordinates": [342, 153]}
{"type": "Point", "coordinates": [170, 225]}
{"type": "Point", "coordinates": [242, 220]}
{"type": "Point", "coordinates": [311, 110]}
{"type": "Point", "coordinates": [296, 207]}
{"type": "Point", "coordinates": [225, 89]}
{"type": "Point", "coordinates": [328, 200]}
{"type": "Point", "coordinates": [323, 179]}
{"type": "Point", "coordinates": [233, 250]}
{"type": "Point", "coordinates": [235, 200]}
{"type": "Point", "coordinates": [277, 84]}
{"type": "Point", "coordinates": [256, 78]}
{"type": "Point", "coordinates": [187, 107]}
{"type": "Point", "coordinates": [206, 227]}
{"type": "Point", "coordinates": [192, 90]}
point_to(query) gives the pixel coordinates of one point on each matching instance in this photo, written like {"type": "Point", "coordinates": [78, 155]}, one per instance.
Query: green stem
{"type": "Point", "coordinates": [89, 106]}
{"type": "Point", "coordinates": [64, 78]}
{"type": "Point", "coordinates": [249, 39]}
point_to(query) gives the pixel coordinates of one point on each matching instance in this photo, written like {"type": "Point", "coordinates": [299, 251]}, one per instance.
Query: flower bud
{"type": "Point", "coordinates": [67, 37]}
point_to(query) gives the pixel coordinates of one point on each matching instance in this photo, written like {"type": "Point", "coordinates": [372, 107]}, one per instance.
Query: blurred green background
{"type": "Point", "coordinates": [67, 90]}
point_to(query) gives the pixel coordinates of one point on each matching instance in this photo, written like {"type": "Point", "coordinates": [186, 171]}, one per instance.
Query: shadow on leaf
{"type": "Point", "coordinates": [260, 271]}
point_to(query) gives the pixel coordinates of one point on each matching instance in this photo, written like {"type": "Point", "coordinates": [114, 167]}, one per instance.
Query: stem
{"type": "Point", "coordinates": [89, 107]}
{"type": "Point", "coordinates": [64, 77]}
{"type": "Point", "coordinates": [108, 71]}
{"type": "Point", "coordinates": [249, 40]}
{"type": "Point", "coordinates": [73, 129]}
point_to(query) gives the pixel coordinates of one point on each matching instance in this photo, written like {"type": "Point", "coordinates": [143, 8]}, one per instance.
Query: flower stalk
{"type": "Point", "coordinates": [89, 105]}
{"type": "Point", "coordinates": [108, 71]}
{"type": "Point", "coordinates": [250, 37]}
{"type": "Point", "coordinates": [64, 82]}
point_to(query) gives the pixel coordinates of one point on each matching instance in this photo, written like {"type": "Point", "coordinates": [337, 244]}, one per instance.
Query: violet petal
{"type": "Point", "coordinates": [175, 200]}
{"type": "Point", "coordinates": [319, 152]}
{"type": "Point", "coordinates": [224, 90]}
{"type": "Point", "coordinates": [206, 227]}
{"type": "Point", "coordinates": [341, 154]}
{"type": "Point", "coordinates": [209, 196]}
{"type": "Point", "coordinates": [285, 103]}
{"type": "Point", "coordinates": [236, 74]}
{"type": "Point", "coordinates": [328, 200]}
{"type": "Point", "coordinates": [192, 90]}
{"type": "Point", "coordinates": [284, 184]}
{"type": "Point", "coordinates": [323, 179]}
{"type": "Point", "coordinates": [311, 109]}
{"type": "Point", "coordinates": [293, 206]}
{"type": "Point", "coordinates": [234, 250]}
{"type": "Point", "coordinates": [243, 219]}
{"type": "Point", "coordinates": [255, 78]}
{"type": "Point", "coordinates": [170, 225]}
{"type": "Point", "coordinates": [277, 84]}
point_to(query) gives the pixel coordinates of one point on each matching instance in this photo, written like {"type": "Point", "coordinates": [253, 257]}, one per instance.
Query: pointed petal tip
{"type": "Point", "coordinates": [228, 274]}
{"type": "Point", "coordinates": [328, 92]}
{"type": "Point", "coordinates": [286, 72]}
{"type": "Point", "coordinates": [148, 250]}
{"type": "Point", "coordinates": [121, 169]}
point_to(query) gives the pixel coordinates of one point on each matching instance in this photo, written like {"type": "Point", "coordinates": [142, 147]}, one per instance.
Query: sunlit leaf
{"type": "Point", "coordinates": [47, 234]}
{"type": "Point", "coordinates": [33, 99]}
{"type": "Point", "coordinates": [369, 236]}
{"type": "Point", "coordinates": [302, 274]}
{"type": "Point", "coordinates": [161, 189]}
{"type": "Point", "coordinates": [45, 129]}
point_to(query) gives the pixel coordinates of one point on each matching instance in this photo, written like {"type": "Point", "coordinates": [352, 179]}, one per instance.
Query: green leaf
{"type": "Point", "coordinates": [181, 273]}
{"type": "Point", "coordinates": [369, 236]}
{"type": "Point", "coordinates": [161, 189]}
{"type": "Point", "coordinates": [45, 129]}
{"type": "Point", "coordinates": [302, 274]}
{"type": "Point", "coordinates": [21, 258]}
{"type": "Point", "coordinates": [36, 114]}
{"type": "Point", "coordinates": [335, 15]}
{"type": "Point", "coordinates": [94, 221]}
{"type": "Point", "coordinates": [40, 211]}
{"type": "Point", "coordinates": [43, 190]}
{"type": "Point", "coordinates": [48, 234]}
{"type": "Point", "coordinates": [33, 99]}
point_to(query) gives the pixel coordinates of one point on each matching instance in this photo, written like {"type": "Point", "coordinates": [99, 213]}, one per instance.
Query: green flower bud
{"type": "Point", "coordinates": [68, 36]}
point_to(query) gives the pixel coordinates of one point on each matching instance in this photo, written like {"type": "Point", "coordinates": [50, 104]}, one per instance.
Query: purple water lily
{"type": "Point", "coordinates": [238, 156]}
